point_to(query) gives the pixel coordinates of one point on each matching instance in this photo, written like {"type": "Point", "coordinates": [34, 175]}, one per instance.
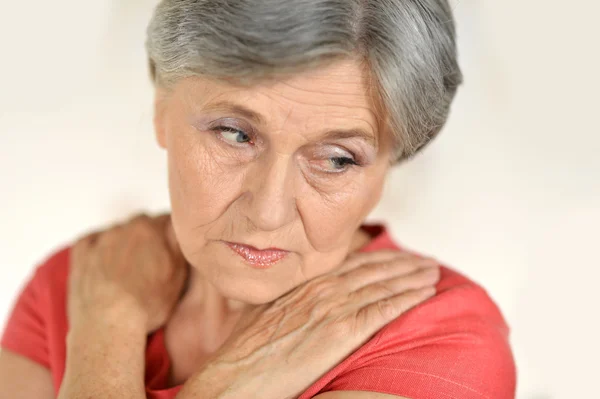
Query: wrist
{"type": "Point", "coordinates": [218, 380]}
{"type": "Point", "coordinates": [106, 335]}
{"type": "Point", "coordinates": [123, 318]}
{"type": "Point", "coordinates": [121, 334]}
{"type": "Point", "coordinates": [106, 348]}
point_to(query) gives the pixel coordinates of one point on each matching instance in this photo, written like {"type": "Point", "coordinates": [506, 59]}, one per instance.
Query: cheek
{"type": "Point", "coordinates": [331, 221]}
{"type": "Point", "coordinates": [326, 226]}
{"type": "Point", "coordinates": [201, 188]}
{"type": "Point", "coordinates": [332, 218]}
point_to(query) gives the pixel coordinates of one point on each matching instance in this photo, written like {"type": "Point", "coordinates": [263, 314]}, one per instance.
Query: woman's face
{"type": "Point", "coordinates": [295, 164]}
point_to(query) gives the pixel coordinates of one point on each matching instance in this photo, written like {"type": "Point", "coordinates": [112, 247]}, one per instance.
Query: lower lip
{"type": "Point", "coordinates": [258, 259]}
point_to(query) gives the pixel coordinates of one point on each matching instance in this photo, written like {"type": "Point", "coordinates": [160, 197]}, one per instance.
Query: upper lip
{"type": "Point", "coordinates": [255, 248]}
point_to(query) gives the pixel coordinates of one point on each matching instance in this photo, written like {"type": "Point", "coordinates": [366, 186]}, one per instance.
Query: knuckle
{"type": "Point", "coordinates": [143, 224]}
{"type": "Point", "coordinates": [406, 264]}
{"type": "Point", "coordinates": [141, 221]}
{"type": "Point", "coordinates": [386, 308]}
{"type": "Point", "coordinates": [160, 219]}
{"type": "Point", "coordinates": [320, 310]}
{"type": "Point", "coordinates": [382, 289]}
{"type": "Point", "coordinates": [429, 261]}
{"type": "Point", "coordinates": [139, 217]}
{"type": "Point", "coordinates": [83, 242]}
{"type": "Point", "coordinates": [374, 271]}
{"type": "Point", "coordinates": [266, 332]}
{"type": "Point", "coordinates": [351, 261]}
{"type": "Point", "coordinates": [398, 253]}
{"type": "Point", "coordinates": [322, 288]}
{"type": "Point", "coordinates": [392, 252]}
{"type": "Point", "coordinates": [385, 266]}
{"type": "Point", "coordinates": [427, 276]}
{"type": "Point", "coordinates": [412, 259]}
{"type": "Point", "coordinates": [109, 235]}
{"type": "Point", "coordinates": [375, 291]}
{"type": "Point", "coordinates": [323, 305]}
{"type": "Point", "coordinates": [340, 329]}
{"type": "Point", "coordinates": [142, 229]}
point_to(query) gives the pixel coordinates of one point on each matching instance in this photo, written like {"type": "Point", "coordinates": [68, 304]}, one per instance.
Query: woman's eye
{"type": "Point", "coordinates": [233, 135]}
{"type": "Point", "coordinates": [340, 163]}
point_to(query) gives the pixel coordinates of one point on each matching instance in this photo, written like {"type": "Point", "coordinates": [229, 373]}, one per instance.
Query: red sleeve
{"type": "Point", "coordinates": [25, 331]}
{"type": "Point", "coordinates": [453, 346]}
{"type": "Point", "coordinates": [30, 322]}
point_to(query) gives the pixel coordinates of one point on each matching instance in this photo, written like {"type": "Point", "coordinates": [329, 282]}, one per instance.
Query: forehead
{"type": "Point", "coordinates": [339, 92]}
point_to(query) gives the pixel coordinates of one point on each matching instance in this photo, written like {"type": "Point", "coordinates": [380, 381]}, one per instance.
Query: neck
{"type": "Point", "coordinates": [221, 311]}
{"type": "Point", "coordinates": [204, 312]}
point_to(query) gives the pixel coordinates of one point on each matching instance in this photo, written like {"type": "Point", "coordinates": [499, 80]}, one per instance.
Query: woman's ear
{"type": "Point", "coordinates": [159, 117]}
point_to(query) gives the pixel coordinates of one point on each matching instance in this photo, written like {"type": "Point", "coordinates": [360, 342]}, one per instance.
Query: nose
{"type": "Point", "coordinates": [270, 198]}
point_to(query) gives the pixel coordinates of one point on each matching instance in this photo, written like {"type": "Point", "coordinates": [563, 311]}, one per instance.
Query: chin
{"type": "Point", "coordinates": [251, 292]}
{"type": "Point", "coordinates": [235, 280]}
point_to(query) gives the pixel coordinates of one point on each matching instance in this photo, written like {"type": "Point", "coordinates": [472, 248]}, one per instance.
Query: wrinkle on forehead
{"type": "Point", "coordinates": [340, 95]}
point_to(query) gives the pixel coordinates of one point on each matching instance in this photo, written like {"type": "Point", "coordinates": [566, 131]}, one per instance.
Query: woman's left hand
{"type": "Point", "coordinates": [130, 273]}
{"type": "Point", "coordinates": [277, 350]}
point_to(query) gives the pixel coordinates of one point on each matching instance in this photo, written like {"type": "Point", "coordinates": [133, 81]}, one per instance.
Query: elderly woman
{"type": "Point", "coordinates": [281, 120]}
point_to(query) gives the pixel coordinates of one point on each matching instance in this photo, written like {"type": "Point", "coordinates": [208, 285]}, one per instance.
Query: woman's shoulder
{"type": "Point", "coordinates": [46, 290]}
{"type": "Point", "coordinates": [51, 274]}
{"type": "Point", "coordinates": [453, 285]}
{"type": "Point", "coordinates": [456, 344]}
{"type": "Point", "coordinates": [37, 325]}
{"type": "Point", "coordinates": [458, 297]}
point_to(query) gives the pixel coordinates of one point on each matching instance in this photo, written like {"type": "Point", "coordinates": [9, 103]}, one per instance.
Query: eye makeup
{"type": "Point", "coordinates": [350, 150]}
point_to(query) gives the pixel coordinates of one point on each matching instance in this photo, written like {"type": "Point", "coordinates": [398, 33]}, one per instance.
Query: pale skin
{"type": "Point", "coordinates": [233, 327]}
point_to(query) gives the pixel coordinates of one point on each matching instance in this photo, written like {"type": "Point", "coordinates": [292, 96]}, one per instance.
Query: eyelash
{"type": "Point", "coordinates": [350, 162]}
{"type": "Point", "coordinates": [220, 129]}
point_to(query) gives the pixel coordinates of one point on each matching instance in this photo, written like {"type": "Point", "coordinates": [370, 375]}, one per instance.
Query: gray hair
{"type": "Point", "coordinates": [409, 46]}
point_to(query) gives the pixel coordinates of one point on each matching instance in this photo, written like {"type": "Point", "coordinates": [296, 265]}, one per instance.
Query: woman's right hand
{"type": "Point", "coordinates": [297, 338]}
{"type": "Point", "coordinates": [133, 271]}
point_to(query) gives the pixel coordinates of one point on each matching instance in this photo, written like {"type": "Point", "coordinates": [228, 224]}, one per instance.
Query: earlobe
{"type": "Point", "coordinates": [159, 129]}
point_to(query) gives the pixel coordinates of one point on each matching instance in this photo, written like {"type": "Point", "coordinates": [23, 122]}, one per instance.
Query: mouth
{"type": "Point", "coordinates": [257, 258]}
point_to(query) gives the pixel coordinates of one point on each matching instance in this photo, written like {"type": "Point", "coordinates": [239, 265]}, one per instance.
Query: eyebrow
{"type": "Point", "coordinates": [234, 108]}
{"type": "Point", "coordinates": [231, 107]}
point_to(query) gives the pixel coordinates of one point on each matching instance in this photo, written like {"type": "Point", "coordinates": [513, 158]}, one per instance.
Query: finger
{"type": "Point", "coordinates": [88, 240]}
{"type": "Point", "coordinates": [138, 217]}
{"type": "Point", "coordinates": [114, 227]}
{"type": "Point", "coordinates": [79, 250]}
{"type": "Point", "coordinates": [162, 219]}
{"type": "Point", "coordinates": [160, 223]}
{"type": "Point", "coordinates": [377, 272]}
{"type": "Point", "coordinates": [374, 316]}
{"type": "Point", "coordinates": [421, 278]}
{"type": "Point", "coordinates": [93, 238]}
{"type": "Point", "coordinates": [358, 259]}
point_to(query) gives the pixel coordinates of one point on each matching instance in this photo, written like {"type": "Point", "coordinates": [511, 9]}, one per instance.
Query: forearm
{"type": "Point", "coordinates": [105, 359]}
{"type": "Point", "coordinates": [233, 380]}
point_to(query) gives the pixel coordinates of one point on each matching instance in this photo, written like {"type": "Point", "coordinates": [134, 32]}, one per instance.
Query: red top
{"type": "Point", "coordinates": [455, 345]}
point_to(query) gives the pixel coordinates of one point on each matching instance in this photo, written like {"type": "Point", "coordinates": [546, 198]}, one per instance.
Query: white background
{"type": "Point", "coordinates": [509, 193]}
